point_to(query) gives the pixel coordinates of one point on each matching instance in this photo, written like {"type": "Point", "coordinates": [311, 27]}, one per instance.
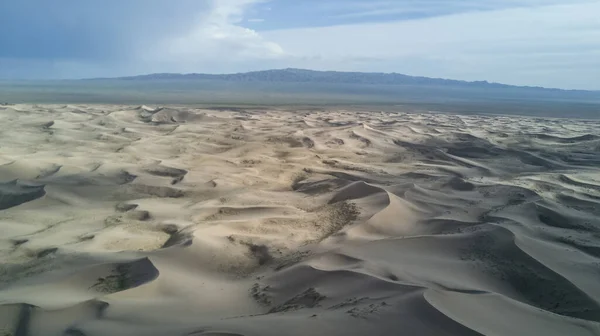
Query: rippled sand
{"type": "Point", "coordinates": [121, 220]}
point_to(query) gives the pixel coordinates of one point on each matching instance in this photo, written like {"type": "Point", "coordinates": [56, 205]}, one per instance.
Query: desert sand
{"type": "Point", "coordinates": [124, 220]}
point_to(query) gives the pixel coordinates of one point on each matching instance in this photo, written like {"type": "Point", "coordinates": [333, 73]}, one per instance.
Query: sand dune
{"type": "Point", "coordinates": [124, 220]}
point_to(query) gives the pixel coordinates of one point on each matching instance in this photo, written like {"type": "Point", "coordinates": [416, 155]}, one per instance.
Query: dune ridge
{"type": "Point", "coordinates": [178, 220]}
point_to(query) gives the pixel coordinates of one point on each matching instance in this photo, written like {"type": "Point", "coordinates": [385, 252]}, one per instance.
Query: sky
{"type": "Point", "coordinates": [550, 43]}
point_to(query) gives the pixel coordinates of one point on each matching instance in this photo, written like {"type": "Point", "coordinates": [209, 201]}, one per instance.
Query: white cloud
{"type": "Point", "coordinates": [218, 41]}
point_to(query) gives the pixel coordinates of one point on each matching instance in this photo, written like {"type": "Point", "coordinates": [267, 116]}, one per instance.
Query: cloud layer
{"type": "Point", "coordinates": [553, 43]}
{"type": "Point", "coordinates": [556, 46]}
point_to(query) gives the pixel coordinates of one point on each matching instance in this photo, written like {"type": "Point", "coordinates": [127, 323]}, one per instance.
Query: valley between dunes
{"type": "Point", "coordinates": [124, 220]}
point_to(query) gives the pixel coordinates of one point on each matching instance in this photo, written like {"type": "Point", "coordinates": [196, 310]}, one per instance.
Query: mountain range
{"type": "Point", "coordinates": [298, 87]}
{"type": "Point", "coordinates": [292, 75]}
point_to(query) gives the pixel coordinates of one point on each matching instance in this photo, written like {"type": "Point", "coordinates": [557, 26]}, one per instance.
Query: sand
{"type": "Point", "coordinates": [124, 220]}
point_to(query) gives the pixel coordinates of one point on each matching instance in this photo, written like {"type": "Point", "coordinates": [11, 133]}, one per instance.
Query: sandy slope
{"type": "Point", "coordinates": [117, 220]}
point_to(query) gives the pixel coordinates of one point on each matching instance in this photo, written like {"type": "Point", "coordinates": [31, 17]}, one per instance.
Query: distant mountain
{"type": "Point", "coordinates": [297, 87]}
{"type": "Point", "coordinates": [292, 75]}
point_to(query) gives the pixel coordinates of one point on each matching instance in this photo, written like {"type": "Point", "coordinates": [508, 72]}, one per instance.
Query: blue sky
{"type": "Point", "coordinates": [552, 43]}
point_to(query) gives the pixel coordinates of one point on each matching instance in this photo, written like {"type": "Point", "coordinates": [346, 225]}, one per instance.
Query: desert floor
{"type": "Point", "coordinates": [124, 220]}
